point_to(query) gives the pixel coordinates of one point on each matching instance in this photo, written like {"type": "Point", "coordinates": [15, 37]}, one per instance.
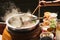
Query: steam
{"type": "Point", "coordinates": [13, 12]}
{"type": "Point", "coordinates": [8, 14]}
{"type": "Point", "coordinates": [10, 11]}
{"type": "Point", "coordinates": [16, 21]}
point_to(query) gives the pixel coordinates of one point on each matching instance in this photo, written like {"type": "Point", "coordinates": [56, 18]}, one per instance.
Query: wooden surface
{"type": "Point", "coordinates": [6, 35]}
{"type": "Point", "coordinates": [50, 3]}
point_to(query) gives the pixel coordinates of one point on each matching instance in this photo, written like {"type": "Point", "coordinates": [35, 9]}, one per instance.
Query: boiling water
{"type": "Point", "coordinates": [22, 21]}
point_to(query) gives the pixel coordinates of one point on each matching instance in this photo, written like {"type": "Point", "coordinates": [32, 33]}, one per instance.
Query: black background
{"type": "Point", "coordinates": [25, 5]}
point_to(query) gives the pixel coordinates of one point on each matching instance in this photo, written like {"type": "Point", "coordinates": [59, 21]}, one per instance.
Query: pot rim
{"type": "Point", "coordinates": [8, 25]}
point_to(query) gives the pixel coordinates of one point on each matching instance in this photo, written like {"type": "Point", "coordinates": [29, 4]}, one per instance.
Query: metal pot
{"type": "Point", "coordinates": [29, 33]}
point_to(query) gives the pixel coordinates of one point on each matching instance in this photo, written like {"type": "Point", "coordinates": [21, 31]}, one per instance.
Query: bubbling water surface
{"type": "Point", "coordinates": [22, 20]}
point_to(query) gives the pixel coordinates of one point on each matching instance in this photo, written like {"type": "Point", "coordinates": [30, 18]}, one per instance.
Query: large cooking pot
{"type": "Point", "coordinates": [23, 33]}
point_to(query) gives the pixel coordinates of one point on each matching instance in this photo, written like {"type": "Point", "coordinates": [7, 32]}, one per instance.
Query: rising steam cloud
{"type": "Point", "coordinates": [8, 14]}
{"type": "Point", "coordinates": [12, 10]}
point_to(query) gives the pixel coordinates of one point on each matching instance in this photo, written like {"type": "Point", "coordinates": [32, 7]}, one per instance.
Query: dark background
{"type": "Point", "coordinates": [24, 6]}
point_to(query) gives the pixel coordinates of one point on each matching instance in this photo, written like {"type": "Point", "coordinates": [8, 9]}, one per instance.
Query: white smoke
{"type": "Point", "coordinates": [16, 20]}
{"type": "Point", "coordinates": [8, 13]}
